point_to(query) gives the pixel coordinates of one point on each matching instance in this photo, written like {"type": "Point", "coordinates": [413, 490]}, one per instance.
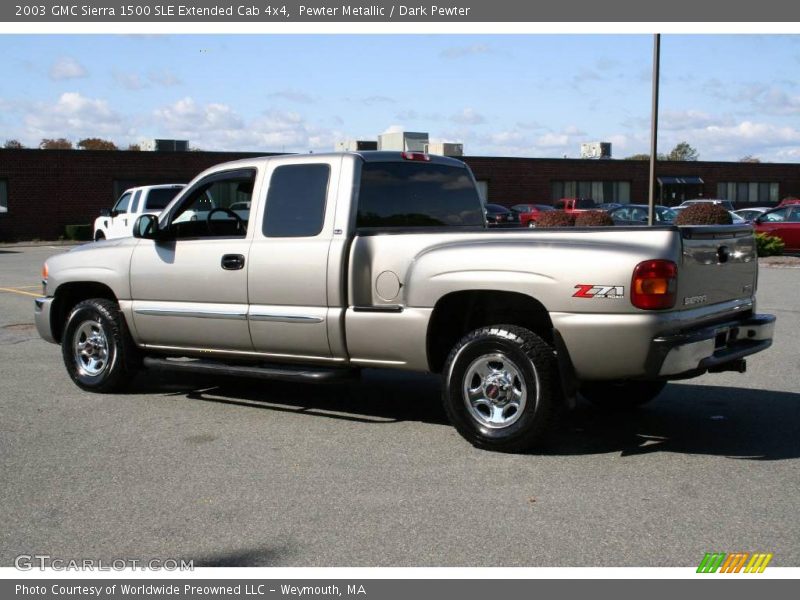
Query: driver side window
{"type": "Point", "coordinates": [216, 207]}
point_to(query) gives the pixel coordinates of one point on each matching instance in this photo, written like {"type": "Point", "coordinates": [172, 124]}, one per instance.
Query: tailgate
{"type": "Point", "coordinates": [718, 264]}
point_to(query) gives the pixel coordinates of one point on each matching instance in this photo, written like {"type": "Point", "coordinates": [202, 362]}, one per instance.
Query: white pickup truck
{"type": "Point", "coordinates": [308, 267]}
{"type": "Point", "coordinates": [134, 202]}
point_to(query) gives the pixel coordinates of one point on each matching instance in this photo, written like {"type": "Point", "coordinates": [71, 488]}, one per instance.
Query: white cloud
{"type": "Point", "coordinates": [73, 116]}
{"type": "Point", "coordinates": [67, 67]}
{"type": "Point", "coordinates": [468, 116]}
{"type": "Point", "coordinates": [217, 126]}
{"type": "Point", "coordinates": [676, 120]}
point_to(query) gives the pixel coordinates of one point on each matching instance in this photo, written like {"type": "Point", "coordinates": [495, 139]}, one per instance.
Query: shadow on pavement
{"type": "Point", "coordinates": [379, 397]}
{"type": "Point", "coordinates": [686, 418]}
{"type": "Point", "coordinates": [690, 419]}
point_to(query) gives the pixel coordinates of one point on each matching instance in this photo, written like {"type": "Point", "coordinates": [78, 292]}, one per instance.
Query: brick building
{"type": "Point", "coordinates": [41, 191]}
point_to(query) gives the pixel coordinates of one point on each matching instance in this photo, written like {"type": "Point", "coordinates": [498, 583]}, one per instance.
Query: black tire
{"type": "Point", "coordinates": [109, 359]}
{"type": "Point", "coordinates": [616, 395]}
{"type": "Point", "coordinates": [99, 236]}
{"type": "Point", "coordinates": [526, 360]}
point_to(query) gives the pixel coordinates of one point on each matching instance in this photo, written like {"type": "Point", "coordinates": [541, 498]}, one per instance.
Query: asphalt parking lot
{"type": "Point", "coordinates": [240, 472]}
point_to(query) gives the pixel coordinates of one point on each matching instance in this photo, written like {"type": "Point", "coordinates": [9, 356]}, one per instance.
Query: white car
{"type": "Point", "coordinates": [118, 222]}
{"type": "Point", "coordinates": [726, 204]}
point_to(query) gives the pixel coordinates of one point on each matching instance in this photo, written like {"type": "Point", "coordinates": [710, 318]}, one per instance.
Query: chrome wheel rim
{"type": "Point", "coordinates": [495, 393]}
{"type": "Point", "coordinates": [91, 348]}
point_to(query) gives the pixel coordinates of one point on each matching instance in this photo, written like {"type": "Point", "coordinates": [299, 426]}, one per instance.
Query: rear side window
{"type": "Point", "coordinates": [411, 194]}
{"type": "Point", "coordinates": [159, 198]}
{"type": "Point", "coordinates": [296, 201]}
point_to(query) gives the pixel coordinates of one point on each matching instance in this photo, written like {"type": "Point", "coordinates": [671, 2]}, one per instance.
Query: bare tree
{"type": "Point", "coordinates": [13, 145]}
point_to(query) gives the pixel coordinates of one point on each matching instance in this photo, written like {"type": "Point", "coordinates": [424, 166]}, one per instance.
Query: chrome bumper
{"type": "Point", "coordinates": [694, 352]}
{"type": "Point", "coordinates": [41, 315]}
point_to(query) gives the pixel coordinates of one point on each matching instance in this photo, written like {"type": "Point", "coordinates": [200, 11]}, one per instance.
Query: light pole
{"type": "Point", "coordinates": [651, 201]}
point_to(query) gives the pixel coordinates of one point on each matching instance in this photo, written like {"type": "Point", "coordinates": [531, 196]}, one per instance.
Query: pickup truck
{"type": "Point", "coordinates": [384, 259]}
{"type": "Point", "coordinates": [575, 205]}
{"type": "Point", "coordinates": [134, 202]}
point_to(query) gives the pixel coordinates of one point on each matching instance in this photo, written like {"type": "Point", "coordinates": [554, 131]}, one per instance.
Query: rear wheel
{"type": "Point", "coordinates": [531, 224]}
{"type": "Point", "coordinates": [621, 394]}
{"type": "Point", "coordinates": [99, 235]}
{"type": "Point", "coordinates": [501, 388]}
{"type": "Point", "coordinates": [98, 351]}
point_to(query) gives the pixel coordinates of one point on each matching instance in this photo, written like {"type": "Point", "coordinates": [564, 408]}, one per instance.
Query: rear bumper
{"type": "Point", "coordinates": [696, 351]}
{"type": "Point", "coordinates": [41, 315]}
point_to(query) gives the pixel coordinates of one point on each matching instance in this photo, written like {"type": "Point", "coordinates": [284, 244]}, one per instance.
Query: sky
{"type": "Point", "coordinates": [729, 96]}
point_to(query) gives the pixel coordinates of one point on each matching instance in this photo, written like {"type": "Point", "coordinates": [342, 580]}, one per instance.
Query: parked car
{"type": "Point", "coordinates": [783, 222]}
{"type": "Point", "coordinates": [134, 202]}
{"type": "Point", "coordinates": [528, 214]}
{"type": "Point", "coordinates": [750, 214]}
{"type": "Point", "coordinates": [636, 214]}
{"type": "Point", "coordinates": [384, 259]}
{"type": "Point", "coordinates": [607, 206]}
{"type": "Point", "coordinates": [735, 219]}
{"type": "Point", "coordinates": [788, 201]}
{"type": "Point", "coordinates": [726, 203]}
{"type": "Point", "coordinates": [500, 216]}
{"type": "Point", "coordinates": [574, 205]}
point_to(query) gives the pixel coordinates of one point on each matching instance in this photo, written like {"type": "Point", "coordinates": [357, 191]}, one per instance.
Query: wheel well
{"type": "Point", "coordinates": [458, 313]}
{"type": "Point", "coordinates": [68, 295]}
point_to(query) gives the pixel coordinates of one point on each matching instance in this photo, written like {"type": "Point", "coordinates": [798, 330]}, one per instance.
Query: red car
{"type": "Point", "coordinates": [783, 222]}
{"type": "Point", "coordinates": [788, 201]}
{"type": "Point", "coordinates": [529, 213]}
{"type": "Point", "coordinates": [575, 205]}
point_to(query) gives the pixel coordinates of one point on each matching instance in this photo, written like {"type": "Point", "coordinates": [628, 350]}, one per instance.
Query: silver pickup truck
{"type": "Point", "coordinates": [383, 259]}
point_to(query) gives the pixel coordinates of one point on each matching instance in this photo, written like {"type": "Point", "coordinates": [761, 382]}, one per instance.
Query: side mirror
{"type": "Point", "coordinates": [105, 212]}
{"type": "Point", "coordinates": [146, 227]}
{"type": "Point", "coordinates": [757, 220]}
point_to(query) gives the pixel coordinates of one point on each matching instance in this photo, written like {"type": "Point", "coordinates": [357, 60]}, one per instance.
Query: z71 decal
{"type": "Point", "coordinates": [599, 291]}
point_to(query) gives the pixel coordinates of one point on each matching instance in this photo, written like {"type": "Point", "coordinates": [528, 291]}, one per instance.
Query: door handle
{"type": "Point", "coordinates": [232, 262]}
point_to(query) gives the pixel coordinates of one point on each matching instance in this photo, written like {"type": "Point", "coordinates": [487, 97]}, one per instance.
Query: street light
{"type": "Point", "coordinates": [651, 201]}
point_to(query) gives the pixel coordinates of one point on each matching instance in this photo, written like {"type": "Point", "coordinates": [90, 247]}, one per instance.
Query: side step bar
{"type": "Point", "coordinates": [262, 371]}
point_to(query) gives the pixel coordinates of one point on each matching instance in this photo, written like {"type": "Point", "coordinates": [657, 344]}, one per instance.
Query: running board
{"type": "Point", "coordinates": [301, 373]}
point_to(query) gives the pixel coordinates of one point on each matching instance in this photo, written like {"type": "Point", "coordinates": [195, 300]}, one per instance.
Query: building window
{"type": "Point", "coordinates": [599, 191]}
{"type": "Point", "coordinates": [3, 196]}
{"type": "Point", "coordinates": [754, 192]}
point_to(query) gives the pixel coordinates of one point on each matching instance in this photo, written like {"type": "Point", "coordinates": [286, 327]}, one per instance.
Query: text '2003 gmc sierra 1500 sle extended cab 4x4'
{"type": "Point", "coordinates": [383, 259]}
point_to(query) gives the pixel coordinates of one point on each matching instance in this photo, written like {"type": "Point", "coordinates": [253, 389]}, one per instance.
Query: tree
{"type": "Point", "coordinates": [96, 144]}
{"type": "Point", "coordinates": [13, 145]}
{"type": "Point", "coordinates": [750, 159]}
{"type": "Point", "coordinates": [683, 151]}
{"type": "Point", "coordinates": [134, 148]}
{"type": "Point", "coordinates": [55, 144]}
{"type": "Point", "coordinates": [645, 156]}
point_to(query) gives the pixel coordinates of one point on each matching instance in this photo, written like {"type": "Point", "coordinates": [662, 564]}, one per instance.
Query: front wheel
{"type": "Point", "coordinates": [531, 224]}
{"type": "Point", "coordinates": [97, 348]}
{"type": "Point", "coordinates": [99, 235]}
{"type": "Point", "coordinates": [621, 394]}
{"type": "Point", "coordinates": [500, 390]}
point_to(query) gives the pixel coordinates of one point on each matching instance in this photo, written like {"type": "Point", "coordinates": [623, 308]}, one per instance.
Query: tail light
{"type": "Point", "coordinates": [420, 156]}
{"type": "Point", "coordinates": [654, 284]}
